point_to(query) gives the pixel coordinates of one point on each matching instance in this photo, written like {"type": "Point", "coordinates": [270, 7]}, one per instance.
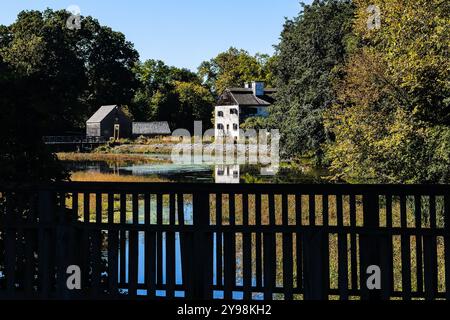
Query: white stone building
{"type": "Point", "coordinates": [235, 105]}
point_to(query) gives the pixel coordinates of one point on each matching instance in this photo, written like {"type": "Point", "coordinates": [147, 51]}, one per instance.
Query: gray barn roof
{"type": "Point", "coordinates": [102, 113]}
{"type": "Point", "coordinates": [151, 128]}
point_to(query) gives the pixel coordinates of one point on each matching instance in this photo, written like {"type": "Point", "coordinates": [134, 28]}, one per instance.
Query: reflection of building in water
{"type": "Point", "coordinates": [228, 174]}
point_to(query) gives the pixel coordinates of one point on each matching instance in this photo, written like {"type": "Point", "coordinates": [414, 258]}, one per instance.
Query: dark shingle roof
{"type": "Point", "coordinates": [245, 97]}
{"type": "Point", "coordinates": [102, 113]}
{"type": "Point", "coordinates": [151, 128]}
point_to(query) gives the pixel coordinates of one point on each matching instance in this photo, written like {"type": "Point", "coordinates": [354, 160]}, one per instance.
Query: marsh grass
{"type": "Point", "coordinates": [119, 159]}
{"type": "Point", "coordinates": [86, 176]}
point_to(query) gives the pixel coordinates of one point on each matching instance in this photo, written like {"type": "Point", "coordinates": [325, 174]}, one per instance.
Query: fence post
{"type": "Point", "coordinates": [315, 255]}
{"type": "Point", "coordinates": [447, 244]}
{"type": "Point", "coordinates": [202, 259]}
{"type": "Point", "coordinates": [371, 249]}
{"type": "Point", "coordinates": [46, 270]}
{"type": "Point", "coordinates": [10, 243]}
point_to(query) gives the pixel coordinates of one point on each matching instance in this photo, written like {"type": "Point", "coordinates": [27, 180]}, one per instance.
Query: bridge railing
{"type": "Point", "coordinates": [74, 140]}
{"type": "Point", "coordinates": [201, 241]}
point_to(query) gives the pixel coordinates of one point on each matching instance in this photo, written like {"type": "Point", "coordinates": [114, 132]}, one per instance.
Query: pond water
{"type": "Point", "coordinates": [199, 173]}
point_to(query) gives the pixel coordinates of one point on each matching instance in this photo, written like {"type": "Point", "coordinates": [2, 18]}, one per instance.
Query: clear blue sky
{"type": "Point", "coordinates": [182, 33]}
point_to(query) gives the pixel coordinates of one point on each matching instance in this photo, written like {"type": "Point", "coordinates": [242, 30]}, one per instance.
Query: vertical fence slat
{"type": "Point", "coordinates": [430, 255]}
{"type": "Point", "coordinates": [298, 239]}
{"type": "Point", "coordinates": [133, 256]}
{"type": "Point", "coordinates": [30, 245]}
{"type": "Point", "coordinates": [62, 249]}
{"type": "Point", "coordinates": [75, 206]}
{"type": "Point", "coordinates": [406, 252]}
{"type": "Point", "coordinates": [203, 244]}
{"type": "Point", "coordinates": [258, 240]}
{"type": "Point", "coordinates": [270, 249]}
{"type": "Point", "coordinates": [447, 245]}
{"type": "Point", "coordinates": [96, 247]}
{"type": "Point", "coordinates": [342, 251]}
{"type": "Point", "coordinates": [287, 252]}
{"type": "Point", "coordinates": [219, 242]}
{"type": "Point", "coordinates": [369, 245]}
{"type": "Point", "coordinates": [269, 265]}
{"type": "Point", "coordinates": [170, 251]}
{"type": "Point", "coordinates": [316, 269]}
{"type": "Point", "coordinates": [419, 250]}
{"type": "Point", "coordinates": [122, 235]}
{"type": "Point", "coordinates": [45, 219]}
{"type": "Point", "coordinates": [159, 240]}
{"type": "Point", "coordinates": [150, 251]}
{"type": "Point", "coordinates": [312, 209]}
{"type": "Point", "coordinates": [10, 245]}
{"type": "Point", "coordinates": [133, 247]}
{"type": "Point", "coordinates": [184, 245]}
{"type": "Point", "coordinates": [389, 254]}
{"type": "Point", "coordinates": [247, 251]}
{"type": "Point", "coordinates": [232, 242]}
{"type": "Point", "coordinates": [113, 249]}
{"type": "Point", "coordinates": [229, 262]}
{"type": "Point", "coordinates": [354, 252]}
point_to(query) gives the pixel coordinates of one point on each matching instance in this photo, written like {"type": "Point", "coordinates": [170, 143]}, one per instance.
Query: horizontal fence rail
{"type": "Point", "coordinates": [50, 140]}
{"type": "Point", "coordinates": [213, 241]}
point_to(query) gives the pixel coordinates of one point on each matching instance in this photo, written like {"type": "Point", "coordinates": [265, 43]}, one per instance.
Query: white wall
{"type": "Point", "coordinates": [228, 174]}
{"type": "Point", "coordinates": [228, 121]}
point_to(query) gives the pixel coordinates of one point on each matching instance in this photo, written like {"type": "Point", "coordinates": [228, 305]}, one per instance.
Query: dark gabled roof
{"type": "Point", "coordinates": [102, 113]}
{"type": "Point", "coordinates": [245, 98]}
{"type": "Point", "coordinates": [151, 128]}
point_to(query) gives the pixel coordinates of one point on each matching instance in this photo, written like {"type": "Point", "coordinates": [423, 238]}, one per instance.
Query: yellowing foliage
{"type": "Point", "coordinates": [391, 120]}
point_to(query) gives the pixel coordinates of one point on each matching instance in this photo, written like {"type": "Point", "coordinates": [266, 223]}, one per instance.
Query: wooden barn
{"type": "Point", "coordinates": [151, 129]}
{"type": "Point", "coordinates": [109, 122]}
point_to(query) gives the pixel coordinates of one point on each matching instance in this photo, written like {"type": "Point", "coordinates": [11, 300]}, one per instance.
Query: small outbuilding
{"type": "Point", "coordinates": [109, 122]}
{"type": "Point", "coordinates": [151, 129]}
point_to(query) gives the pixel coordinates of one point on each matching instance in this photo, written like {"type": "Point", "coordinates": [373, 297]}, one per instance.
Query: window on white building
{"type": "Point", "coordinates": [220, 126]}
{"type": "Point", "coordinates": [220, 114]}
{"type": "Point", "coordinates": [235, 127]}
{"type": "Point", "coordinates": [234, 111]}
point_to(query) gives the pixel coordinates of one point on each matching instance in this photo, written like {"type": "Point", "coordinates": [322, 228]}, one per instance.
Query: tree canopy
{"type": "Point", "coordinates": [234, 68]}
{"type": "Point", "coordinates": [52, 79]}
{"type": "Point", "coordinates": [171, 94]}
{"type": "Point", "coordinates": [391, 118]}
{"type": "Point", "coordinates": [73, 71]}
{"type": "Point", "coordinates": [312, 46]}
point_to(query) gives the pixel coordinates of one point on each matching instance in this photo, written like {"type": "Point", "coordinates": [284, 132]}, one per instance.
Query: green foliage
{"type": "Point", "coordinates": [256, 123]}
{"type": "Point", "coordinates": [171, 94]}
{"type": "Point", "coordinates": [391, 118]}
{"type": "Point", "coordinates": [234, 68]}
{"type": "Point", "coordinates": [51, 80]}
{"type": "Point", "coordinates": [73, 72]}
{"type": "Point", "coordinates": [23, 156]}
{"type": "Point", "coordinates": [312, 46]}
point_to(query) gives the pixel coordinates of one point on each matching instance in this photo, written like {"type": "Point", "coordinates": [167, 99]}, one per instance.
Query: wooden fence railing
{"type": "Point", "coordinates": [203, 241]}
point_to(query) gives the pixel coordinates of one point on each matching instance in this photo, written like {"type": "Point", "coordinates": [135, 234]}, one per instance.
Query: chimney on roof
{"type": "Point", "coordinates": [258, 88]}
